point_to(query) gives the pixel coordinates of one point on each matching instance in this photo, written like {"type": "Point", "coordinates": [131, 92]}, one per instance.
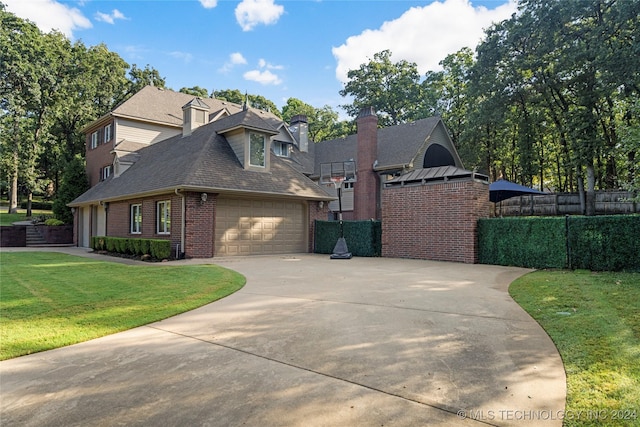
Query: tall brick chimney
{"type": "Point", "coordinates": [366, 189]}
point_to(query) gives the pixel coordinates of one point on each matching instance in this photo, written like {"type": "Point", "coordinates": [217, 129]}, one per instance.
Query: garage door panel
{"type": "Point", "coordinates": [251, 227]}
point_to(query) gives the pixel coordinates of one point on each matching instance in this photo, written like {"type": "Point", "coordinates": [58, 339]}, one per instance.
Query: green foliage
{"type": "Point", "coordinates": [524, 242]}
{"type": "Point", "coordinates": [393, 89]}
{"type": "Point", "coordinates": [45, 206]}
{"type": "Point", "coordinates": [53, 222]}
{"type": "Point", "coordinates": [74, 183]}
{"type": "Point", "coordinates": [158, 249]}
{"type": "Point", "coordinates": [363, 237]}
{"type": "Point", "coordinates": [601, 243]}
{"type": "Point", "coordinates": [605, 243]}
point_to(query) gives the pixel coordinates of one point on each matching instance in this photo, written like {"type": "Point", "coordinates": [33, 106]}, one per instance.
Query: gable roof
{"type": "Point", "coordinates": [203, 161]}
{"type": "Point", "coordinates": [397, 145]}
{"type": "Point", "coordinates": [164, 106]}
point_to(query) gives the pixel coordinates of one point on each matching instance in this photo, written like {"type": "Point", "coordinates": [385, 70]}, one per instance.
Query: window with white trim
{"type": "Point", "coordinates": [105, 172]}
{"type": "Point", "coordinates": [163, 217]}
{"type": "Point", "coordinates": [107, 133]}
{"type": "Point", "coordinates": [94, 139]}
{"type": "Point", "coordinates": [281, 149]}
{"type": "Point", "coordinates": [256, 149]}
{"type": "Point", "coordinates": [136, 219]}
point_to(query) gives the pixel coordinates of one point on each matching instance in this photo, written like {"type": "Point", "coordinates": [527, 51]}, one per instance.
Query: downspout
{"type": "Point", "coordinates": [182, 221]}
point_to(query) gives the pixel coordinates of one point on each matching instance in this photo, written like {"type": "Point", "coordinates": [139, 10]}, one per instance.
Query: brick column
{"type": "Point", "coordinates": [366, 189]}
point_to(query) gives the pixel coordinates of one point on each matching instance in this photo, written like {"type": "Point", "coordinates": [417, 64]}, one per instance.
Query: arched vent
{"type": "Point", "coordinates": [436, 156]}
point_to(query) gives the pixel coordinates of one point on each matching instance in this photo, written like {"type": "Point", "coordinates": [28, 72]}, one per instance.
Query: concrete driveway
{"type": "Point", "coordinates": [310, 341]}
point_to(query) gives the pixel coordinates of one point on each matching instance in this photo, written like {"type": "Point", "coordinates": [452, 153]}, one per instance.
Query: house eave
{"type": "Point", "coordinates": [201, 189]}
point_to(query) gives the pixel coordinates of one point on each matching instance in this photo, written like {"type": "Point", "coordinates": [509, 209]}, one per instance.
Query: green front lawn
{"type": "Point", "coordinates": [594, 321]}
{"type": "Point", "coordinates": [49, 300]}
{"type": "Point", "coordinates": [8, 219]}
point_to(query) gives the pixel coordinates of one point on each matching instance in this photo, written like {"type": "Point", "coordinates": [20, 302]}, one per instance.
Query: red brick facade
{"type": "Point", "coordinates": [366, 189]}
{"type": "Point", "coordinates": [434, 221]}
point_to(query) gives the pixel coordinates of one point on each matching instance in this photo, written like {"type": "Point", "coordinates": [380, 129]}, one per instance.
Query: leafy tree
{"type": "Point", "coordinates": [255, 101]}
{"type": "Point", "coordinates": [393, 89]}
{"type": "Point", "coordinates": [323, 122]}
{"type": "Point", "coordinates": [196, 91]}
{"type": "Point", "coordinates": [74, 183]}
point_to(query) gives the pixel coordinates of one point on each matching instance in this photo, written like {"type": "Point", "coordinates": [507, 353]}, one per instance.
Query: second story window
{"type": "Point", "coordinates": [256, 149]}
{"type": "Point", "coordinates": [108, 133]}
{"type": "Point", "coordinates": [94, 139]}
{"type": "Point", "coordinates": [105, 172]}
{"type": "Point", "coordinates": [281, 149]}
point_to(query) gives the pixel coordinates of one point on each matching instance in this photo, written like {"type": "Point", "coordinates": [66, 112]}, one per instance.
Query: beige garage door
{"type": "Point", "coordinates": [259, 227]}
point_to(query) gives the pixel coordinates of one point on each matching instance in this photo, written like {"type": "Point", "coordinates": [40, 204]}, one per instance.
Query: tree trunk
{"type": "Point", "coordinates": [591, 191]}
{"type": "Point", "coordinates": [581, 193]}
{"type": "Point", "coordinates": [29, 200]}
{"type": "Point", "coordinates": [13, 199]}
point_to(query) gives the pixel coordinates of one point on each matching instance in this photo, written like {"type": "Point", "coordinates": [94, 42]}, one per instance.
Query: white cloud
{"type": "Point", "coordinates": [110, 18]}
{"type": "Point", "coordinates": [184, 56]}
{"type": "Point", "coordinates": [265, 77]}
{"type": "Point", "coordinates": [424, 35]}
{"type": "Point", "coordinates": [250, 13]}
{"type": "Point", "coordinates": [235, 58]}
{"type": "Point", "coordinates": [49, 15]}
{"type": "Point", "coordinates": [209, 4]}
{"type": "Point", "coordinates": [262, 63]}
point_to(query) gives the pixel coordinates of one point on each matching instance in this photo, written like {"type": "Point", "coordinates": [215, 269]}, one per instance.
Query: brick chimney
{"type": "Point", "coordinates": [366, 189]}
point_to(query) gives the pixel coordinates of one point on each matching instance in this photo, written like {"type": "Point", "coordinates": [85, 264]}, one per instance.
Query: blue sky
{"type": "Point", "coordinates": [275, 48]}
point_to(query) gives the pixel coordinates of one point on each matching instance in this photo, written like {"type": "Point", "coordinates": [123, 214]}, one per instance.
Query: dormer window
{"type": "Point", "coordinates": [281, 149]}
{"type": "Point", "coordinates": [256, 149]}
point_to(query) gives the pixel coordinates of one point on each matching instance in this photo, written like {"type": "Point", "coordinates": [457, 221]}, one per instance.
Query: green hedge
{"type": "Point", "coordinates": [43, 206]}
{"type": "Point", "coordinates": [156, 248]}
{"type": "Point", "coordinates": [363, 237]}
{"type": "Point", "coordinates": [605, 243]}
{"type": "Point", "coordinates": [534, 242]}
{"type": "Point", "coordinates": [599, 243]}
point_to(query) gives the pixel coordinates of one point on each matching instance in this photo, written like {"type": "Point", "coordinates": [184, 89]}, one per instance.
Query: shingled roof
{"type": "Point", "coordinates": [397, 145]}
{"type": "Point", "coordinates": [164, 106]}
{"type": "Point", "coordinates": [203, 161]}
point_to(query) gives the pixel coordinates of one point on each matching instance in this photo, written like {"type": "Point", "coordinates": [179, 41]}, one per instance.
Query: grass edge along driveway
{"type": "Point", "coordinates": [50, 300]}
{"type": "Point", "coordinates": [594, 321]}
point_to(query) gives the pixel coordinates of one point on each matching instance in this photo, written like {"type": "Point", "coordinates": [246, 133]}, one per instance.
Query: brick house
{"type": "Point", "coordinates": [219, 179]}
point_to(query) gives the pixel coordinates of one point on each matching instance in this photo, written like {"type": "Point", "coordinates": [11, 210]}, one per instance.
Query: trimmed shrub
{"type": "Point", "coordinates": [156, 248]}
{"type": "Point", "coordinates": [53, 222]}
{"type": "Point", "coordinates": [145, 246]}
{"type": "Point", "coordinates": [604, 243]}
{"type": "Point", "coordinates": [533, 242]}
{"type": "Point", "coordinates": [160, 249]}
{"type": "Point", "coordinates": [597, 243]}
{"type": "Point", "coordinates": [43, 206]}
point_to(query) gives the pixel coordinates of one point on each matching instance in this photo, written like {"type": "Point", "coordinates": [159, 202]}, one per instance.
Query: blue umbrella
{"type": "Point", "coordinates": [503, 189]}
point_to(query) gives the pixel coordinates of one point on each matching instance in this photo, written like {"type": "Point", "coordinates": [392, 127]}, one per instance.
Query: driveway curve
{"type": "Point", "coordinates": [310, 341]}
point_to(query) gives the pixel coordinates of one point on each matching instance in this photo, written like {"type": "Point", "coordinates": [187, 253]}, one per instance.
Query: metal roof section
{"type": "Point", "coordinates": [435, 175]}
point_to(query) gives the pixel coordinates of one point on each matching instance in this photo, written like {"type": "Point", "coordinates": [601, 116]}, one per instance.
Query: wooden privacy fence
{"type": "Point", "coordinates": [607, 203]}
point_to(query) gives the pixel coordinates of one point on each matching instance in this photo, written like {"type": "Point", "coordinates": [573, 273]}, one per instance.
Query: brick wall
{"type": "Point", "coordinates": [434, 221]}
{"type": "Point", "coordinates": [118, 219]}
{"type": "Point", "coordinates": [199, 231]}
